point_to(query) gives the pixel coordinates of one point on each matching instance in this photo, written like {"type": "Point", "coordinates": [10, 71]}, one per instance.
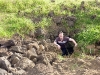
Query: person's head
{"type": "Point", "coordinates": [61, 35]}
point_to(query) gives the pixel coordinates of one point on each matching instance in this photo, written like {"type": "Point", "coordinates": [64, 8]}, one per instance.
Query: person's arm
{"type": "Point", "coordinates": [55, 42]}
{"type": "Point", "coordinates": [70, 39]}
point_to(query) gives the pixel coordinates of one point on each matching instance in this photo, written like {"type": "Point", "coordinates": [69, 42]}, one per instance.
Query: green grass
{"type": "Point", "coordinates": [90, 34]}
{"type": "Point", "coordinates": [60, 57]}
{"type": "Point", "coordinates": [11, 24]}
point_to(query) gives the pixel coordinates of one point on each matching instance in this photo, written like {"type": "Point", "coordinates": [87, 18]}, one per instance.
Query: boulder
{"type": "Point", "coordinates": [51, 13]}
{"type": "Point", "coordinates": [36, 19]}
{"type": "Point", "coordinates": [4, 63]}
{"type": "Point", "coordinates": [70, 23]}
{"type": "Point", "coordinates": [57, 20]}
{"type": "Point", "coordinates": [51, 47]}
{"type": "Point", "coordinates": [41, 47]}
{"type": "Point", "coordinates": [39, 32]}
{"type": "Point", "coordinates": [3, 52]}
{"type": "Point", "coordinates": [31, 34]}
{"type": "Point", "coordinates": [25, 64]}
{"type": "Point", "coordinates": [17, 49]}
{"type": "Point", "coordinates": [47, 58]}
{"type": "Point", "coordinates": [31, 54]}
{"type": "Point", "coordinates": [33, 45]}
{"type": "Point", "coordinates": [4, 72]}
{"type": "Point", "coordinates": [7, 44]}
{"type": "Point", "coordinates": [41, 69]}
{"type": "Point", "coordinates": [27, 40]}
{"type": "Point", "coordinates": [14, 59]}
{"type": "Point", "coordinates": [71, 20]}
{"type": "Point", "coordinates": [42, 42]}
{"type": "Point", "coordinates": [19, 72]}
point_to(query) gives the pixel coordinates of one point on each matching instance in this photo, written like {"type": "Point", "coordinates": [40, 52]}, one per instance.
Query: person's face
{"type": "Point", "coordinates": [61, 35]}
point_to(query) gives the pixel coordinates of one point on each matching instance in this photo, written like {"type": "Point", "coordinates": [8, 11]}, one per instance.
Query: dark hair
{"type": "Point", "coordinates": [60, 32]}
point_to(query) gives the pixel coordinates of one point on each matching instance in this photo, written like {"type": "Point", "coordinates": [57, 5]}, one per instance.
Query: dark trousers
{"type": "Point", "coordinates": [66, 51]}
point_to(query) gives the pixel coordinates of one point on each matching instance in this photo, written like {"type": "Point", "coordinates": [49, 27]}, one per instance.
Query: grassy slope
{"type": "Point", "coordinates": [11, 23]}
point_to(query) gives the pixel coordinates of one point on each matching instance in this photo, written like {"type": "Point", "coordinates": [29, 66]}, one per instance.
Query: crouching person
{"type": "Point", "coordinates": [61, 42]}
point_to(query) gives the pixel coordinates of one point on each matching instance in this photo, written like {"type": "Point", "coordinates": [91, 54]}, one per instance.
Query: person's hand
{"type": "Point", "coordinates": [75, 44]}
{"type": "Point", "coordinates": [58, 46]}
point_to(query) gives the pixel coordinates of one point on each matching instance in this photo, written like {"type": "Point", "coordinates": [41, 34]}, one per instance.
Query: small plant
{"type": "Point", "coordinates": [60, 57]}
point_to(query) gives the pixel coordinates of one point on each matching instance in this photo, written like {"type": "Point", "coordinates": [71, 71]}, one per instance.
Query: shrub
{"type": "Point", "coordinates": [89, 35]}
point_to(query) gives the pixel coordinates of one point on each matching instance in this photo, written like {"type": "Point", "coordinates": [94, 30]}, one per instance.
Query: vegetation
{"type": "Point", "coordinates": [16, 17]}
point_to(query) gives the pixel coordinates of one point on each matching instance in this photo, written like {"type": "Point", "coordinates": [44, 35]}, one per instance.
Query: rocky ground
{"type": "Point", "coordinates": [29, 56]}
{"type": "Point", "coordinates": [32, 57]}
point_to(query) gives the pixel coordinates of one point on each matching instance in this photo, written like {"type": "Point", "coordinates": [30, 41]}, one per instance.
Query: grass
{"type": "Point", "coordinates": [90, 34]}
{"type": "Point", "coordinates": [60, 57]}
{"type": "Point", "coordinates": [11, 24]}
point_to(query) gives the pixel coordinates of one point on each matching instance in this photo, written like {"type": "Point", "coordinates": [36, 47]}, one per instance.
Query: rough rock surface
{"type": "Point", "coordinates": [41, 57]}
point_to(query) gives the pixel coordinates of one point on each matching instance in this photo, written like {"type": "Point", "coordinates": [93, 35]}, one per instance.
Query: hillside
{"type": "Point", "coordinates": [79, 18]}
{"type": "Point", "coordinates": [29, 27]}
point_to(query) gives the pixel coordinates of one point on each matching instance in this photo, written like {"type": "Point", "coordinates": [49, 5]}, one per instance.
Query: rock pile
{"type": "Point", "coordinates": [30, 55]}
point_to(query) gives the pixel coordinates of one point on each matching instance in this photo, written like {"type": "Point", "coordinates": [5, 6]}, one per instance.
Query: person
{"type": "Point", "coordinates": [61, 41]}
